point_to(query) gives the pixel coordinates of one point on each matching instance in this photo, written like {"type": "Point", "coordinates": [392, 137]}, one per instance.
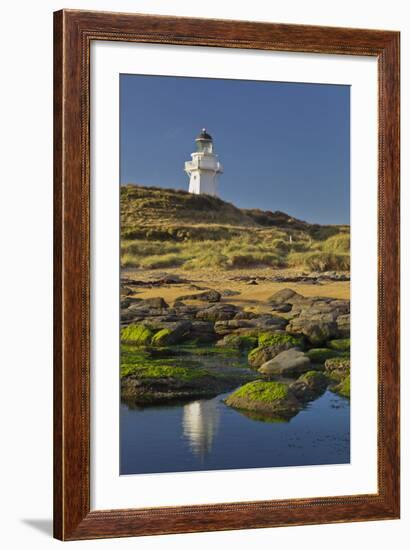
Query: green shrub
{"type": "Point", "coordinates": [319, 261]}
{"type": "Point", "coordinates": [338, 244]}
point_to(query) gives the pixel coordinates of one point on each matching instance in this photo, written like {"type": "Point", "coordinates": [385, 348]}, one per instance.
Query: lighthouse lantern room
{"type": "Point", "coordinates": [204, 168]}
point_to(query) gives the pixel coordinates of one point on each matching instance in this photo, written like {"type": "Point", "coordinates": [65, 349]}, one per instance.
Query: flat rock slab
{"type": "Point", "coordinates": [292, 361]}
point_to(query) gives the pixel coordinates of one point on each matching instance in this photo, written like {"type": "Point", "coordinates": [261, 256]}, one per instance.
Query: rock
{"type": "Point", "coordinates": [284, 296]}
{"type": "Point", "coordinates": [171, 279]}
{"type": "Point", "coordinates": [149, 304]}
{"type": "Point", "coordinates": [317, 331]}
{"type": "Point", "coordinates": [261, 355]}
{"type": "Point", "coordinates": [269, 346]}
{"type": "Point", "coordinates": [125, 291]}
{"type": "Point", "coordinates": [246, 315]}
{"type": "Point", "coordinates": [144, 383]}
{"type": "Point", "coordinates": [271, 398]}
{"type": "Point", "coordinates": [157, 280]}
{"type": "Point", "coordinates": [309, 386]}
{"type": "Point", "coordinates": [238, 342]}
{"type": "Point", "coordinates": [127, 301]}
{"type": "Point", "coordinates": [343, 326]}
{"type": "Point", "coordinates": [206, 296]}
{"type": "Point", "coordinates": [312, 278]}
{"type": "Point", "coordinates": [138, 334]}
{"type": "Point", "coordinates": [229, 292]}
{"type": "Point", "coordinates": [232, 325]}
{"type": "Point", "coordinates": [270, 322]}
{"type": "Point", "coordinates": [320, 307]}
{"type": "Point", "coordinates": [320, 355]}
{"type": "Point", "coordinates": [157, 303]}
{"type": "Point", "coordinates": [342, 344]}
{"type": "Point", "coordinates": [279, 338]}
{"type": "Point", "coordinates": [202, 331]}
{"type": "Point", "coordinates": [217, 312]}
{"type": "Point", "coordinates": [337, 367]}
{"type": "Point", "coordinates": [292, 361]}
{"type": "Point", "coordinates": [343, 388]}
{"type": "Point", "coordinates": [281, 308]}
{"type": "Point", "coordinates": [173, 334]}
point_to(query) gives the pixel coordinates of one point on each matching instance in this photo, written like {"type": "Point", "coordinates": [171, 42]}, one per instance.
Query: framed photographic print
{"type": "Point", "coordinates": [226, 275]}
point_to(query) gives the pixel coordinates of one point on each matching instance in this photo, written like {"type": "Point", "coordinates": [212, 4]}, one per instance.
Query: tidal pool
{"type": "Point", "coordinates": [205, 434]}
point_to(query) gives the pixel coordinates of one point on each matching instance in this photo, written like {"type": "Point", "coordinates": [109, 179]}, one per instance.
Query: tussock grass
{"type": "Point", "coordinates": [165, 228]}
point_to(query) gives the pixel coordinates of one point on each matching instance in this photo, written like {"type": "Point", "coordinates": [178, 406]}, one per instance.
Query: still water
{"type": "Point", "coordinates": [205, 434]}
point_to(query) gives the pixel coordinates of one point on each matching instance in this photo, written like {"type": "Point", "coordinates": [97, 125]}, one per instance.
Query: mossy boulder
{"type": "Point", "coordinates": [337, 368]}
{"type": "Point", "coordinates": [137, 334]}
{"type": "Point", "coordinates": [289, 362]}
{"type": "Point", "coordinates": [238, 341]}
{"type": "Point", "coordinates": [278, 339]}
{"type": "Point", "coordinates": [317, 331]}
{"type": "Point", "coordinates": [342, 344]}
{"type": "Point", "coordinates": [174, 334]}
{"type": "Point", "coordinates": [263, 397]}
{"type": "Point", "coordinates": [343, 388]}
{"type": "Point", "coordinates": [309, 385]}
{"type": "Point", "coordinates": [320, 355]}
{"type": "Point", "coordinates": [154, 375]}
{"type": "Point", "coordinates": [270, 345]}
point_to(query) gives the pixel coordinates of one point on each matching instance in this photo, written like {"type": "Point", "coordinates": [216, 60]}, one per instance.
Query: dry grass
{"type": "Point", "coordinates": [165, 228]}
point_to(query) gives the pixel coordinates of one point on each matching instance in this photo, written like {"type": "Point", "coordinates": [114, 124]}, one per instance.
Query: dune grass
{"type": "Point", "coordinates": [165, 228]}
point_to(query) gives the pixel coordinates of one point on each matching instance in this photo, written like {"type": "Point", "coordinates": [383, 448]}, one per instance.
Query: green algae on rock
{"type": "Point", "coordinates": [238, 341]}
{"type": "Point", "coordinates": [309, 385]}
{"type": "Point", "coordinates": [155, 375]}
{"type": "Point", "coordinates": [342, 344]}
{"type": "Point", "coordinates": [137, 334]}
{"type": "Point", "coordinates": [265, 397]}
{"type": "Point", "coordinates": [320, 355]}
{"type": "Point", "coordinates": [343, 388]}
{"type": "Point", "coordinates": [270, 345]}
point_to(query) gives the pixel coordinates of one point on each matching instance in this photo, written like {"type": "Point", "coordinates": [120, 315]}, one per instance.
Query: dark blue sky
{"type": "Point", "coordinates": [283, 146]}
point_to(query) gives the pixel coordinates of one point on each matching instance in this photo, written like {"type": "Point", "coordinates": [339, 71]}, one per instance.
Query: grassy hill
{"type": "Point", "coordinates": [164, 228]}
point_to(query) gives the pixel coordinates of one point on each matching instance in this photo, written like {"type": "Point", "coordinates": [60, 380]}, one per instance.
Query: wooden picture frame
{"type": "Point", "coordinates": [74, 32]}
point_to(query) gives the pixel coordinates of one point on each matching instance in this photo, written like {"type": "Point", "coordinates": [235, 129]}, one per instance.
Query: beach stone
{"type": "Point", "coordinates": [202, 331]}
{"type": "Point", "coordinates": [206, 296]}
{"type": "Point", "coordinates": [309, 386]}
{"type": "Point", "coordinates": [284, 296]}
{"type": "Point", "coordinates": [316, 331]}
{"type": "Point", "coordinates": [217, 312]}
{"type": "Point", "coordinates": [343, 325]}
{"type": "Point", "coordinates": [171, 334]}
{"type": "Point", "coordinates": [292, 361]}
{"type": "Point", "coordinates": [229, 292]}
{"type": "Point", "coordinates": [262, 354]}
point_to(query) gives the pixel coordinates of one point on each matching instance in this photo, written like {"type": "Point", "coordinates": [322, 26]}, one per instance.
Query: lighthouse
{"type": "Point", "coordinates": [204, 168]}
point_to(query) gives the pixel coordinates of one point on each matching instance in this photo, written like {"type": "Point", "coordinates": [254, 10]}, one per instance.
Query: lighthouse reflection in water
{"type": "Point", "coordinates": [200, 423]}
{"type": "Point", "coordinates": [205, 434]}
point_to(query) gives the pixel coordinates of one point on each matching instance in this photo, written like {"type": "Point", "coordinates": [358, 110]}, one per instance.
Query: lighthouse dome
{"type": "Point", "coordinates": [204, 136]}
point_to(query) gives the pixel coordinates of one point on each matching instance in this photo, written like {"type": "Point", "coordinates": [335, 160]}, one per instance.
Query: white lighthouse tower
{"type": "Point", "coordinates": [204, 168]}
